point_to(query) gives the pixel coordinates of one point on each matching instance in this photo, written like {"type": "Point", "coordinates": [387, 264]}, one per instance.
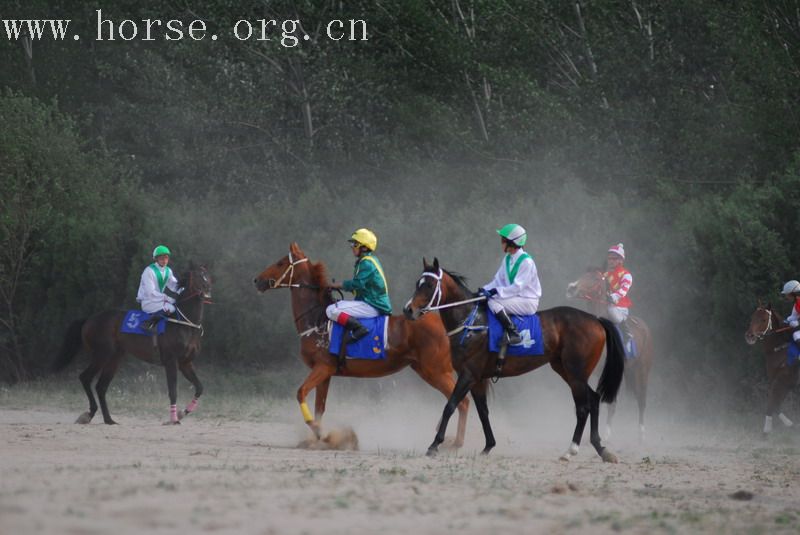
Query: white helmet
{"type": "Point", "coordinates": [791, 287]}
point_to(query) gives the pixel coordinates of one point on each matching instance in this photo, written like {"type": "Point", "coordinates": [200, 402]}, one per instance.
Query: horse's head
{"type": "Point", "coordinates": [428, 291]}
{"type": "Point", "coordinates": [436, 286]}
{"type": "Point", "coordinates": [761, 323]}
{"type": "Point", "coordinates": [196, 281]}
{"type": "Point", "coordinates": [283, 273]}
{"type": "Point", "coordinates": [591, 286]}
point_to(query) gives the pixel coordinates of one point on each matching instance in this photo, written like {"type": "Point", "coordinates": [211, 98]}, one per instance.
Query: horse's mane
{"type": "Point", "coordinates": [460, 280]}
{"type": "Point", "coordinates": [319, 277]}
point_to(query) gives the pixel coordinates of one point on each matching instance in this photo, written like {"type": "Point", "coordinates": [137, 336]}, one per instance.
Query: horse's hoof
{"type": "Point", "coordinates": [608, 457]}
{"type": "Point", "coordinates": [486, 451]}
{"type": "Point", "coordinates": [566, 457]}
{"type": "Point", "coordinates": [84, 418]}
{"type": "Point", "coordinates": [316, 429]}
{"type": "Point", "coordinates": [110, 422]}
{"type": "Point", "coordinates": [181, 414]}
{"type": "Point", "coordinates": [432, 452]}
{"type": "Point", "coordinates": [169, 422]}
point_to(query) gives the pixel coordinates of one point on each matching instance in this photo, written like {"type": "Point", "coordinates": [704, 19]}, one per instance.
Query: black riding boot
{"type": "Point", "coordinates": [353, 331]}
{"type": "Point", "coordinates": [511, 329]}
{"type": "Point", "coordinates": [356, 329]}
{"type": "Point", "coordinates": [151, 324]}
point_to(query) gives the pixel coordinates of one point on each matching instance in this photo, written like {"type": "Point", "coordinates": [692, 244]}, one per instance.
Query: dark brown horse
{"type": "Point", "coordinates": [782, 377]}
{"type": "Point", "coordinates": [422, 345]}
{"type": "Point", "coordinates": [592, 288]}
{"type": "Point", "coordinates": [100, 336]}
{"type": "Point", "coordinates": [573, 343]}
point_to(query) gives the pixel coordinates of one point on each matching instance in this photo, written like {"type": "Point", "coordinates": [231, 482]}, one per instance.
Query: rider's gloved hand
{"type": "Point", "coordinates": [794, 324]}
{"type": "Point", "coordinates": [483, 292]}
{"type": "Point", "coordinates": [613, 298]}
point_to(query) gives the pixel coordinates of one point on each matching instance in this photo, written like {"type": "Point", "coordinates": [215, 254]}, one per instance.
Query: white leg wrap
{"type": "Point", "coordinates": [641, 433]}
{"type": "Point", "coordinates": [607, 434]}
{"type": "Point", "coordinates": [785, 421]}
{"type": "Point", "coordinates": [572, 451]}
{"type": "Point", "coordinates": [768, 424]}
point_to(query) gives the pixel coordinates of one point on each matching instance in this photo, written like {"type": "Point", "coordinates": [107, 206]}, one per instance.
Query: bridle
{"type": "Point", "coordinates": [290, 272]}
{"type": "Point", "coordinates": [768, 328]}
{"type": "Point", "coordinates": [435, 302]}
{"type": "Point", "coordinates": [595, 289]}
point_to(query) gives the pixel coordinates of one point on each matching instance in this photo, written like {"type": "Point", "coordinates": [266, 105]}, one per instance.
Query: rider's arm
{"type": "Point", "coordinates": [358, 283]}
{"type": "Point", "coordinates": [624, 286]}
{"type": "Point", "coordinates": [147, 285]}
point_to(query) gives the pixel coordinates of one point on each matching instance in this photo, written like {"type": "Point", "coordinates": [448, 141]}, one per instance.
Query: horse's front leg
{"type": "Point", "coordinates": [171, 367]}
{"type": "Point", "coordinates": [463, 386]}
{"type": "Point", "coordinates": [319, 373]}
{"type": "Point", "coordinates": [479, 395]}
{"type": "Point", "coordinates": [187, 369]}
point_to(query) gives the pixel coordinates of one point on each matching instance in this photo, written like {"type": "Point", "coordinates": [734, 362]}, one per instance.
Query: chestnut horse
{"type": "Point", "coordinates": [422, 345]}
{"type": "Point", "coordinates": [592, 288]}
{"type": "Point", "coordinates": [573, 342]}
{"type": "Point", "coordinates": [782, 377]}
{"type": "Point", "coordinates": [100, 336]}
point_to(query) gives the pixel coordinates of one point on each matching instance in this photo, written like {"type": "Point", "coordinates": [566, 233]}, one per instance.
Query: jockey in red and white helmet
{"type": "Point", "coordinates": [792, 292]}
{"type": "Point", "coordinates": [619, 281]}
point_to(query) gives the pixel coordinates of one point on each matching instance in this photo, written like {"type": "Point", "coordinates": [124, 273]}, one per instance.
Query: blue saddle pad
{"type": "Point", "coordinates": [371, 347]}
{"type": "Point", "coordinates": [631, 351]}
{"type": "Point", "coordinates": [529, 328]}
{"type": "Point", "coordinates": [792, 352]}
{"type": "Point", "coordinates": [132, 324]}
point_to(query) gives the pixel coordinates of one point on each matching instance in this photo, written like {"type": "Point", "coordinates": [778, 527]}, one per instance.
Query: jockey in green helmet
{"type": "Point", "coordinates": [515, 288]}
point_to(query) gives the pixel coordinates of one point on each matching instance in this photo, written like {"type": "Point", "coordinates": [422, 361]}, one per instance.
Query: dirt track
{"type": "Point", "coordinates": [210, 475]}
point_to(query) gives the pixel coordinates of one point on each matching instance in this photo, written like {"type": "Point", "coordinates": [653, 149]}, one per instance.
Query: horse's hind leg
{"type": "Point", "coordinates": [320, 398]}
{"type": "Point", "coordinates": [86, 380]}
{"type": "Point", "coordinates": [187, 369]}
{"type": "Point", "coordinates": [641, 399]}
{"type": "Point", "coordinates": [612, 408]}
{"type": "Point", "coordinates": [171, 368]}
{"type": "Point", "coordinates": [319, 373]}
{"type": "Point", "coordinates": [109, 370]}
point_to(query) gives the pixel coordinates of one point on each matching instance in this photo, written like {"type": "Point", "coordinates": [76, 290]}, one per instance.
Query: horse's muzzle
{"type": "Point", "coordinates": [263, 285]}
{"type": "Point", "coordinates": [751, 339]}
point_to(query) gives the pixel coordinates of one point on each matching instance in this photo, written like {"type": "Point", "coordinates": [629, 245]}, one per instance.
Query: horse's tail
{"type": "Point", "coordinates": [70, 346]}
{"type": "Point", "coordinates": [611, 378]}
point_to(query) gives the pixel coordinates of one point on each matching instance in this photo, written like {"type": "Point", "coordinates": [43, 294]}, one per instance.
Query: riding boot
{"type": "Point", "coordinates": [151, 324]}
{"type": "Point", "coordinates": [627, 336]}
{"type": "Point", "coordinates": [341, 358]}
{"type": "Point", "coordinates": [356, 329]}
{"type": "Point", "coordinates": [511, 329]}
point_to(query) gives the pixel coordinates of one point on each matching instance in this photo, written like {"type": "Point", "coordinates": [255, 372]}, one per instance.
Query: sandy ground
{"type": "Point", "coordinates": [214, 475]}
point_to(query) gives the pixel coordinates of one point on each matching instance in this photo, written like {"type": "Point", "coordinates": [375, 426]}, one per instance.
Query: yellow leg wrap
{"type": "Point", "coordinates": [306, 413]}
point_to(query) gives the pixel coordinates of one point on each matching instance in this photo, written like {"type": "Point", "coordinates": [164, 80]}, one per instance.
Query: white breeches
{"type": "Point", "coordinates": [617, 314]}
{"type": "Point", "coordinates": [152, 308]}
{"type": "Point", "coordinates": [796, 336]}
{"type": "Point", "coordinates": [356, 309]}
{"type": "Point", "coordinates": [518, 306]}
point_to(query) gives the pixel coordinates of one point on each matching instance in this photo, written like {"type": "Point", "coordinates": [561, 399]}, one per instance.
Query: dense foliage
{"type": "Point", "coordinates": [669, 125]}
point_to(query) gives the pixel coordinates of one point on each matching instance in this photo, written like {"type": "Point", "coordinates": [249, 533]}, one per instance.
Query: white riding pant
{"type": "Point", "coordinates": [356, 309]}
{"type": "Point", "coordinates": [617, 314]}
{"type": "Point", "coordinates": [152, 308]}
{"type": "Point", "coordinates": [518, 306]}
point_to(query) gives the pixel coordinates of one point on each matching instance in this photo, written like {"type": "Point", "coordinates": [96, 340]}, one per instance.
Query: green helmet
{"type": "Point", "coordinates": [161, 249]}
{"type": "Point", "coordinates": [514, 233]}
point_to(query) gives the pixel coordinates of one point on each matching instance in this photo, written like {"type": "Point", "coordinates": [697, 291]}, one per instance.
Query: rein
{"type": "Point", "coordinates": [768, 331]}
{"type": "Point", "coordinates": [593, 290]}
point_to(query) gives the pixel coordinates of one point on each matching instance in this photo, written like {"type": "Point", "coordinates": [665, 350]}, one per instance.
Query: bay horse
{"type": "Point", "coordinates": [592, 287]}
{"type": "Point", "coordinates": [423, 346]}
{"type": "Point", "coordinates": [782, 377]}
{"type": "Point", "coordinates": [573, 342]}
{"type": "Point", "coordinates": [100, 336]}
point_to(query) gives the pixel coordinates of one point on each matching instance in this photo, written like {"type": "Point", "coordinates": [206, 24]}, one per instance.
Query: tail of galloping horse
{"type": "Point", "coordinates": [70, 346]}
{"type": "Point", "coordinates": [611, 378]}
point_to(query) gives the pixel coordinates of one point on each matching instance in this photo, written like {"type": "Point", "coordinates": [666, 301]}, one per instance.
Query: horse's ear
{"type": "Point", "coordinates": [435, 263]}
{"type": "Point", "coordinates": [759, 303]}
{"type": "Point", "coordinates": [424, 263]}
{"type": "Point", "coordinates": [294, 248]}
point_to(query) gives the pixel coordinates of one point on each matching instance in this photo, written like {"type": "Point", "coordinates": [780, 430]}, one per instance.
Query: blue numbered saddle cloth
{"type": "Point", "coordinates": [792, 353]}
{"type": "Point", "coordinates": [529, 329]}
{"type": "Point", "coordinates": [371, 347]}
{"type": "Point", "coordinates": [631, 352]}
{"type": "Point", "coordinates": [133, 321]}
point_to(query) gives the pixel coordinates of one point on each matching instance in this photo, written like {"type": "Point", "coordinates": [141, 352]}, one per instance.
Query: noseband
{"type": "Point", "coordinates": [436, 297]}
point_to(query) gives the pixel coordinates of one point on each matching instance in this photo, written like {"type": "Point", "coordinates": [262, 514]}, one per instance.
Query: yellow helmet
{"type": "Point", "coordinates": [365, 237]}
